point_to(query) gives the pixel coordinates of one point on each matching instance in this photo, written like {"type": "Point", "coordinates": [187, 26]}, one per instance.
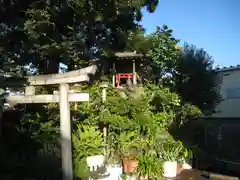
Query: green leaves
{"type": "Point", "coordinates": [171, 150]}
{"type": "Point", "coordinates": [38, 23]}
{"type": "Point", "coordinates": [151, 7]}
{"type": "Point", "coordinates": [154, 109]}
{"type": "Point", "coordinates": [163, 53]}
{"type": "Point", "coordinates": [150, 166]}
{"type": "Point", "coordinates": [130, 144]}
{"type": "Point", "coordinates": [87, 141]}
{"type": "Point", "coordinates": [39, 130]}
{"type": "Point", "coordinates": [66, 31]}
{"type": "Point", "coordinates": [195, 69]}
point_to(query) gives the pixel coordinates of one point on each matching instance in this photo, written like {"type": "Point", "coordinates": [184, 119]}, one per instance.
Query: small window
{"type": "Point", "coordinates": [233, 93]}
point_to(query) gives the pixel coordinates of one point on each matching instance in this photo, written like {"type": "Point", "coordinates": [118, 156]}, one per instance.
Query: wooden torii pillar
{"type": "Point", "coordinates": [64, 96]}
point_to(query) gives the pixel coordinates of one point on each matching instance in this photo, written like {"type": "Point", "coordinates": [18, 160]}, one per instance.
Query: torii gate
{"type": "Point", "coordinates": [63, 97]}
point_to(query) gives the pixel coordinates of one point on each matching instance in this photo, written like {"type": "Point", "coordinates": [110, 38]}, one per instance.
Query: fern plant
{"type": "Point", "coordinates": [87, 141]}
{"type": "Point", "coordinates": [130, 144]}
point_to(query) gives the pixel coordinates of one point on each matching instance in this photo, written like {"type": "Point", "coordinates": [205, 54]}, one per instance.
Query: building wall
{"type": "Point", "coordinates": [230, 91]}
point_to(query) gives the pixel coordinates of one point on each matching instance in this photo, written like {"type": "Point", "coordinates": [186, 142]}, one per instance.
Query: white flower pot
{"type": "Point", "coordinates": [106, 178]}
{"type": "Point", "coordinates": [115, 171]}
{"type": "Point", "coordinates": [94, 162]}
{"type": "Point", "coordinates": [170, 169]}
{"type": "Point", "coordinates": [131, 177]}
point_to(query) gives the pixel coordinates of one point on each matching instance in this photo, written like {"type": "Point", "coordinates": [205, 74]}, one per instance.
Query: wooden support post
{"type": "Point", "coordinates": [104, 94]}
{"type": "Point", "coordinates": [113, 80]}
{"type": "Point", "coordinates": [65, 131]}
{"type": "Point", "coordinates": [114, 74]}
{"type": "Point", "coordinates": [104, 98]}
{"type": "Point", "coordinates": [134, 73]}
{"type": "Point", "coordinates": [75, 110]}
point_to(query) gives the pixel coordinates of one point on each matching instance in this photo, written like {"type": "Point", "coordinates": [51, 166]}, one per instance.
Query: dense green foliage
{"type": "Point", "coordinates": [195, 69]}
{"type": "Point", "coordinates": [45, 33]}
{"type": "Point", "coordinates": [133, 124]}
{"type": "Point", "coordinates": [87, 141]}
{"type": "Point", "coordinates": [37, 35]}
{"type": "Point", "coordinates": [187, 70]}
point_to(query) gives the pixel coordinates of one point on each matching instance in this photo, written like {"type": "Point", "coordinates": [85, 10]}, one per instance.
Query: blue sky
{"type": "Point", "coordinates": [210, 24]}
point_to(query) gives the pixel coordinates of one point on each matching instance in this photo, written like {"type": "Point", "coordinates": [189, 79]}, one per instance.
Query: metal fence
{"type": "Point", "coordinates": [219, 138]}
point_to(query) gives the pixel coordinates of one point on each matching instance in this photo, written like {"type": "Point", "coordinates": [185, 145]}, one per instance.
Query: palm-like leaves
{"type": "Point", "coordinates": [87, 141]}
{"type": "Point", "coordinates": [171, 150]}
{"type": "Point", "coordinates": [150, 166]}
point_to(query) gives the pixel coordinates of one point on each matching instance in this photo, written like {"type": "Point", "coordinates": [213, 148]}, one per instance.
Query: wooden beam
{"type": "Point", "coordinates": [134, 73]}
{"type": "Point", "coordinates": [72, 97]}
{"type": "Point", "coordinates": [84, 71]}
{"type": "Point", "coordinates": [127, 54]}
{"type": "Point", "coordinates": [68, 77]}
{"type": "Point", "coordinates": [57, 80]}
{"type": "Point", "coordinates": [43, 81]}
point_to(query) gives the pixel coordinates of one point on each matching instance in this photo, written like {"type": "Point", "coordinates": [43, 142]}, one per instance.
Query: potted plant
{"type": "Point", "coordinates": [114, 163]}
{"type": "Point", "coordinates": [88, 143]}
{"type": "Point", "coordinates": [170, 152]}
{"type": "Point", "coordinates": [149, 166]}
{"type": "Point", "coordinates": [129, 148]}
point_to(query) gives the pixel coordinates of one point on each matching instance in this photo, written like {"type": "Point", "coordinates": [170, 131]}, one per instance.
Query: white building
{"type": "Point", "coordinates": [230, 92]}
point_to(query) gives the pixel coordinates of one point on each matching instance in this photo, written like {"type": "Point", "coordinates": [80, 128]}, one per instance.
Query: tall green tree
{"type": "Point", "coordinates": [159, 51]}
{"type": "Point", "coordinates": [163, 52]}
{"type": "Point", "coordinates": [47, 32]}
{"type": "Point", "coordinates": [138, 41]}
{"type": "Point", "coordinates": [188, 71]}
{"type": "Point", "coordinates": [196, 80]}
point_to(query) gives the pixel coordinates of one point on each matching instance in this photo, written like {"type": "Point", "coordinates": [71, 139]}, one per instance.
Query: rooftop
{"type": "Point", "coordinates": [230, 68]}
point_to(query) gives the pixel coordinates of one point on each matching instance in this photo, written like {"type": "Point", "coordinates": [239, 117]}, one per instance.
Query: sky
{"type": "Point", "coordinates": [213, 25]}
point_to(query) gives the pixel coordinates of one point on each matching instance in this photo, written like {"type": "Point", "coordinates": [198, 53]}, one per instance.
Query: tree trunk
{"type": "Point", "coordinates": [51, 66]}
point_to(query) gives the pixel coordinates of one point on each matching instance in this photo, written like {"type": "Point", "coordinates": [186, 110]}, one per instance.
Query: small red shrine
{"type": "Point", "coordinates": [125, 68]}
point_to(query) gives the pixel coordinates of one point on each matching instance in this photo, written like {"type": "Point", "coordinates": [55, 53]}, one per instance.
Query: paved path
{"type": "Point", "coordinates": [191, 175]}
{"type": "Point", "coordinates": [199, 175]}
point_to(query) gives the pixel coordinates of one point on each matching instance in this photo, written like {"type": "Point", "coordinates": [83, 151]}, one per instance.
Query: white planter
{"type": "Point", "coordinates": [131, 177]}
{"type": "Point", "coordinates": [170, 169]}
{"type": "Point", "coordinates": [106, 178]}
{"type": "Point", "coordinates": [94, 162]}
{"type": "Point", "coordinates": [115, 171]}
